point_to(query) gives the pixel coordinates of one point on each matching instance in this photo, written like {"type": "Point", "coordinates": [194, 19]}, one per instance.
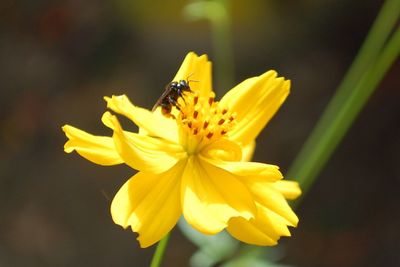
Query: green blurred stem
{"type": "Point", "coordinates": [217, 12]}
{"type": "Point", "coordinates": [372, 45]}
{"type": "Point", "coordinates": [160, 250]}
{"type": "Point", "coordinates": [367, 70]}
{"type": "Point", "coordinates": [222, 40]}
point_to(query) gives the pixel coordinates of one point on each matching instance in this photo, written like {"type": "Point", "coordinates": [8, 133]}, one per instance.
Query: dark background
{"type": "Point", "coordinates": [59, 58]}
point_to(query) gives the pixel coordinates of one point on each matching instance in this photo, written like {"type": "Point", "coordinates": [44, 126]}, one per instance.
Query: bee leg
{"type": "Point", "coordinates": [174, 102]}
{"type": "Point", "coordinates": [184, 101]}
{"type": "Point", "coordinates": [169, 115]}
{"type": "Point", "coordinates": [180, 93]}
{"type": "Point", "coordinates": [178, 107]}
{"type": "Point", "coordinates": [166, 111]}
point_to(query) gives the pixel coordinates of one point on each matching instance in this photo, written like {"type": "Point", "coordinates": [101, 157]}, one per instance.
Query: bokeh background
{"type": "Point", "coordinates": [59, 58]}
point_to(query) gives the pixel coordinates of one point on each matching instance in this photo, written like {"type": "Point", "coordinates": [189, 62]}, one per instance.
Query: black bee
{"type": "Point", "coordinates": [169, 98]}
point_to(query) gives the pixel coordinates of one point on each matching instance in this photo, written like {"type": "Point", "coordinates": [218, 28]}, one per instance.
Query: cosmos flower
{"type": "Point", "coordinates": [196, 162]}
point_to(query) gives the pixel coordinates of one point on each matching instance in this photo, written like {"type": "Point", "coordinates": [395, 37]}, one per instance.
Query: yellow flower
{"type": "Point", "coordinates": [196, 162]}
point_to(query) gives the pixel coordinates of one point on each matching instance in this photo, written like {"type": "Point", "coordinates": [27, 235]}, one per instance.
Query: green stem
{"type": "Point", "coordinates": [217, 12]}
{"type": "Point", "coordinates": [373, 43]}
{"type": "Point", "coordinates": [360, 81]}
{"type": "Point", "coordinates": [160, 250]}
{"type": "Point", "coordinates": [222, 40]}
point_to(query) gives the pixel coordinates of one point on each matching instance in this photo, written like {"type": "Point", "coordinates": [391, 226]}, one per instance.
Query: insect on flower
{"type": "Point", "coordinates": [198, 165]}
{"type": "Point", "coordinates": [170, 96]}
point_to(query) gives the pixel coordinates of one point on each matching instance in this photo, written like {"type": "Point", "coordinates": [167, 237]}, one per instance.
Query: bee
{"type": "Point", "coordinates": [170, 96]}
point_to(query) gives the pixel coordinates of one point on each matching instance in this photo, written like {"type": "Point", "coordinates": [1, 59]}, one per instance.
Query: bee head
{"type": "Point", "coordinates": [183, 85]}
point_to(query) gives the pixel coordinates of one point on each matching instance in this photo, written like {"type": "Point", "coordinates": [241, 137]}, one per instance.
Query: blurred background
{"type": "Point", "coordinates": [59, 58]}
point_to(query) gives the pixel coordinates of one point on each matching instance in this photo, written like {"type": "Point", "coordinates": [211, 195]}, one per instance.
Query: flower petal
{"type": "Point", "coordinates": [269, 197]}
{"type": "Point", "coordinates": [97, 149]}
{"type": "Point", "coordinates": [289, 189]}
{"type": "Point", "coordinates": [222, 149]}
{"type": "Point", "coordinates": [264, 230]}
{"type": "Point", "coordinates": [143, 152]}
{"type": "Point", "coordinates": [250, 171]}
{"type": "Point", "coordinates": [155, 124]}
{"type": "Point", "coordinates": [198, 70]}
{"type": "Point", "coordinates": [249, 233]}
{"type": "Point", "coordinates": [248, 151]}
{"type": "Point", "coordinates": [150, 204]}
{"type": "Point", "coordinates": [255, 101]}
{"type": "Point", "coordinates": [211, 196]}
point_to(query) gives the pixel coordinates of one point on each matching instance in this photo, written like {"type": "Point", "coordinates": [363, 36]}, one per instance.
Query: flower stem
{"type": "Point", "coordinates": [159, 253]}
{"type": "Point", "coordinates": [217, 12]}
{"type": "Point", "coordinates": [222, 46]}
{"type": "Point", "coordinates": [367, 70]}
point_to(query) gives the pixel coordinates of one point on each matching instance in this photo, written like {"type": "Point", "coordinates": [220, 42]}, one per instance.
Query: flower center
{"type": "Point", "coordinates": [202, 120]}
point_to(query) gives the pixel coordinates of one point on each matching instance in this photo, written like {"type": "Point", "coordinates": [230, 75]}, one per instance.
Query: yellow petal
{"type": "Point", "coordinates": [247, 232]}
{"type": "Point", "coordinates": [211, 196]}
{"type": "Point", "coordinates": [154, 124]}
{"type": "Point", "coordinates": [289, 189]}
{"type": "Point", "coordinates": [97, 149]}
{"type": "Point", "coordinates": [222, 149]}
{"type": "Point", "coordinates": [143, 152]}
{"type": "Point", "coordinates": [255, 101]}
{"type": "Point", "coordinates": [271, 198]}
{"type": "Point", "coordinates": [279, 224]}
{"type": "Point", "coordinates": [250, 172]}
{"type": "Point", "coordinates": [248, 151]}
{"type": "Point", "coordinates": [198, 70]}
{"type": "Point", "coordinates": [264, 230]}
{"type": "Point", "coordinates": [150, 204]}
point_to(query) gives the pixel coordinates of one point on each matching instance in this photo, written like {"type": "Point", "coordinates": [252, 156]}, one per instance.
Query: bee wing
{"type": "Point", "coordinates": [160, 99]}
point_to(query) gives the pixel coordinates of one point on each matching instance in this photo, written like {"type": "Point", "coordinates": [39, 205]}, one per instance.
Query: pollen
{"type": "Point", "coordinates": [203, 120]}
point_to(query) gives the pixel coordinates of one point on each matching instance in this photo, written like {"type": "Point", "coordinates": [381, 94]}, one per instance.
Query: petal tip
{"type": "Point", "coordinates": [67, 129]}
{"type": "Point", "coordinates": [68, 148]}
{"type": "Point", "coordinates": [107, 98]}
{"type": "Point", "coordinates": [144, 243]}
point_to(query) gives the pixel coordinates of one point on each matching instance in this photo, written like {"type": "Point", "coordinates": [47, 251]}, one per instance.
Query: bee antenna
{"type": "Point", "coordinates": [187, 79]}
{"type": "Point", "coordinates": [191, 74]}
